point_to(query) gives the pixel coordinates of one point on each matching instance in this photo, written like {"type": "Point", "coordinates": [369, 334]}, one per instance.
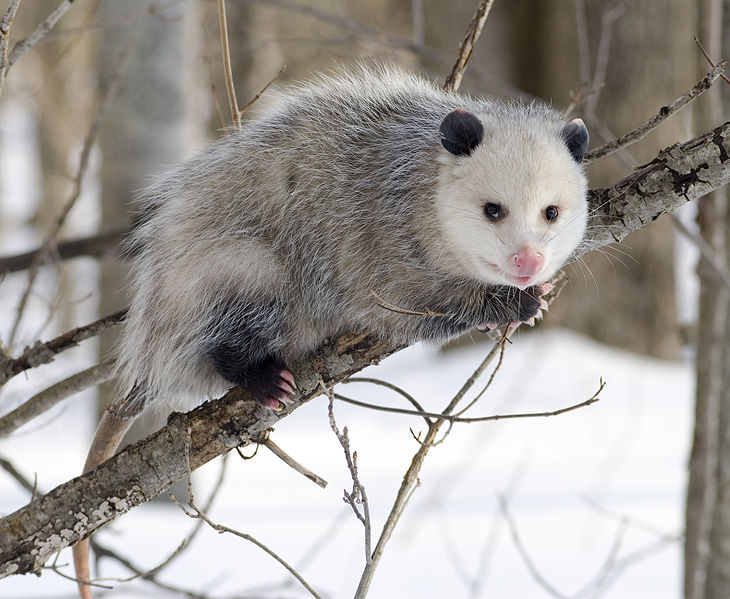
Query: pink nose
{"type": "Point", "coordinates": [527, 262]}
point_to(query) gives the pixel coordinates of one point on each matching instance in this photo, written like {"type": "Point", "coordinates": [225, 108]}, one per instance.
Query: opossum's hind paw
{"type": "Point", "coordinates": [272, 385]}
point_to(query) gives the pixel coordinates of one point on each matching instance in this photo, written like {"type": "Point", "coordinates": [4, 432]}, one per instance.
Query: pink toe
{"type": "Point", "coordinates": [284, 386]}
{"type": "Point", "coordinates": [273, 403]}
{"type": "Point", "coordinates": [288, 377]}
{"type": "Point", "coordinates": [284, 397]}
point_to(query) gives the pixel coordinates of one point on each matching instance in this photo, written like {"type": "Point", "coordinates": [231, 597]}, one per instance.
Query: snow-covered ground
{"type": "Point", "coordinates": [603, 484]}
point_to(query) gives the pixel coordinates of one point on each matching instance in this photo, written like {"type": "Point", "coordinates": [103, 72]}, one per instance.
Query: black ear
{"type": "Point", "coordinates": [575, 136]}
{"type": "Point", "coordinates": [461, 132]}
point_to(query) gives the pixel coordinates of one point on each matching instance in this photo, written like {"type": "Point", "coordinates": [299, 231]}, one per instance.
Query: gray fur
{"type": "Point", "coordinates": [327, 200]}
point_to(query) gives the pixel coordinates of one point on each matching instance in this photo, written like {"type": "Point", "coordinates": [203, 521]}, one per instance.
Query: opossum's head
{"type": "Point", "coordinates": [511, 202]}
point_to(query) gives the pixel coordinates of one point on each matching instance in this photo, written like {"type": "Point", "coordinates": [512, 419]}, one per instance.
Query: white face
{"type": "Point", "coordinates": [514, 210]}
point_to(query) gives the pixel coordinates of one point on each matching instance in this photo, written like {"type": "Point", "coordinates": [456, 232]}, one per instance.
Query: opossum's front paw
{"type": "Point", "coordinates": [535, 304]}
{"type": "Point", "coordinates": [272, 385]}
{"type": "Point", "coordinates": [520, 305]}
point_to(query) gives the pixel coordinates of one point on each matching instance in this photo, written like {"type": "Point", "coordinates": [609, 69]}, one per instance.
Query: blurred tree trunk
{"type": "Point", "coordinates": [142, 129]}
{"type": "Point", "coordinates": [707, 536]}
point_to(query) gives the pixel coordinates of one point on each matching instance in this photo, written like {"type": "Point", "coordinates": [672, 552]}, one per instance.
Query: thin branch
{"type": "Point", "coordinates": [46, 399]}
{"type": "Point", "coordinates": [358, 494]}
{"type": "Point", "coordinates": [257, 97]}
{"type": "Point", "coordinates": [531, 567]}
{"type": "Point", "coordinates": [198, 513]}
{"type": "Point", "coordinates": [386, 305]}
{"type": "Point", "coordinates": [470, 420]}
{"type": "Point", "coordinates": [44, 352]}
{"type": "Point", "coordinates": [491, 378]}
{"type": "Point", "coordinates": [664, 113]}
{"type": "Point", "coordinates": [5, 25]}
{"type": "Point", "coordinates": [473, 31]}
{"type": "Point", "coordinates": [292, 463]}
{"type": "Point", "coordinates": [8, 466]}
{"type": "Point", "coordinates": [227, 69]}
{"type": "Point", "coordinates": [39, 32]}
{"type": "Point", "coordinates": [387, 385]}
{"type": "Point", "coordinates": [707, 57]}
{"type": "Point", "coordinates": [593, 94]}
{"type": "Point", "coordinates": [99, 244]}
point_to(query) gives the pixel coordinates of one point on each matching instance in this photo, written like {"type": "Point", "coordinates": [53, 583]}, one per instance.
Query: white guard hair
{"type": "Point", "coordinates": [341, 192]}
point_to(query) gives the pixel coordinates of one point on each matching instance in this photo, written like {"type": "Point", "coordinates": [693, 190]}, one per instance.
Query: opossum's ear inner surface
{"type": "Point", "coordinates": [461, 132]}
{"type": "Point", "coordinates": [575, 136]}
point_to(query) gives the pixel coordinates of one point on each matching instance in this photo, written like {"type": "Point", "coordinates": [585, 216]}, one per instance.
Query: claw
{"type": "Point", "coordinates": [284, 397]}
{"type": "Point", "coordinates": [544, 305]}
{"type": "Point", "coordinates": [545, 288]}
{"type": "Point", "coordinates": [285, 386]}
{"type": "Point", "coordinates": [273, 403]}
{"type": "Point", "coordinates": [288, 377]}
{"type": "Point", "coordinates": [530, 321]}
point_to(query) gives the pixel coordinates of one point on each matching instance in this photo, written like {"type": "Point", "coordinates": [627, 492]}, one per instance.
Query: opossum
{"type": "Point", "coordinates": [365, 189]}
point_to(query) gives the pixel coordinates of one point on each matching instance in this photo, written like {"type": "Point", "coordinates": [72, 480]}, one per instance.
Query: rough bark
{"type": "Point", "coordinates": [707, 534]}
{"type": "Point", "coordinates": [31, 535]}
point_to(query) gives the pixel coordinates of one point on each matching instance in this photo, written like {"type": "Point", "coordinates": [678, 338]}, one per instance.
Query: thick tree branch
{"type": "Point", "coordinates": [30, 536]}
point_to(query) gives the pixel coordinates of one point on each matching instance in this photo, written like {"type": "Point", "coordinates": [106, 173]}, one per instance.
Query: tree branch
{"type": "Point", "coordinates": [31, 535]}
{"type": "Point", "coordinates": [99, 244]}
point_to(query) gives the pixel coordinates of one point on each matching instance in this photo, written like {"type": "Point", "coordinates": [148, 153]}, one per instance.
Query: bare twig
{"type": "Point", "coordinates": [198, 513]}
{"type": "Point", "coordinates": [257, 97]}
{"type": "Point", "coordinates": [49, 397]}
{"type": "Point", "coordinates": [664, 112]}
{"type": "Point", "coordinates": [503, 346]}
{"type": "Point", "coordinates": [5, 25]}
{"type": "Point", "coordinates": [473, 31]}
{"type": "Point", "coordinates": [227, 69]}
{"type": "Point", "coordinates": [357, 496]}
{"type": "Point", "coordinates": [707, 57]}
{"type": "Point", "coordinates": [387, 385]}
{"type": "Point", "coordinates": [8, 466]}
{"type": "Point", "coordinates": [470, 420]}
{"type": "Point", "coordinates": [536, 575]}
{"type": "Point", "coordinates": [44, 352]}
{"type": "Point", "coordinates": [593, 94]}
{"type": "Point", "coordinates": [386, 305]}
{"type": "Point", "coordinates": [39, 32]}
{"type": "Point", "coordinates": [291, 462]}
{"type": "Point", "coordinates": [99, 244]}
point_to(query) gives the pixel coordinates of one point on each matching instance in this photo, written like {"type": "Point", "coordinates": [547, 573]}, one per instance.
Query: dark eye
{"type": "Point", "coordinates": [493, 211]}
{"type": "Point", "coordinates": [551, 213]}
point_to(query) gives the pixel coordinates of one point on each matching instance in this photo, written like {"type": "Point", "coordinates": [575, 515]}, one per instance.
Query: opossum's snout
{"type": "Point", "coordinates": [527, 262]}
{"type": "Point", "coordinates": [525, 266]}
